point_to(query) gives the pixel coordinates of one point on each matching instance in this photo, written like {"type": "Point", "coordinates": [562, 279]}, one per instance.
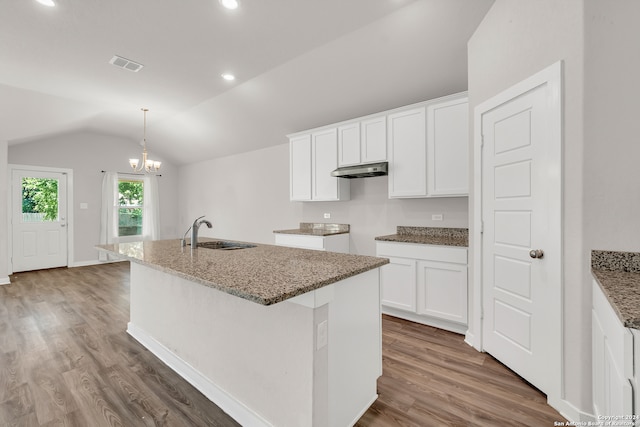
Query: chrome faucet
{"type": "Point", "coordinates": [194, 230]}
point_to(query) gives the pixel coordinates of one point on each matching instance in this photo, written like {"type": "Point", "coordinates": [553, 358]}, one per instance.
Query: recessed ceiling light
{"type": "Point", "coordinates": [228, 76]}
{"type": "Point", "coordinates": [230, 4]}
{"type": "Point", "coordinates": [49, 3]}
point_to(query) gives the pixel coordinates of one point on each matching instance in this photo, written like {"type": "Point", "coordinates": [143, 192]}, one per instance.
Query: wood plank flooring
{"type": "Point", "coordinates": [66, 360]}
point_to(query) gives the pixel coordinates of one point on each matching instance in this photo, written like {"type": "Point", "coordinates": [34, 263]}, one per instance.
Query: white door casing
{"type": "Point", "coordinates": [40, 244]}
{"type": "Point", "coordinates": [518, 298]}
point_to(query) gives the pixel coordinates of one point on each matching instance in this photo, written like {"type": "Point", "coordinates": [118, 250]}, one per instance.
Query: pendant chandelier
{"type": "Point", "coordinates": [147, 165]}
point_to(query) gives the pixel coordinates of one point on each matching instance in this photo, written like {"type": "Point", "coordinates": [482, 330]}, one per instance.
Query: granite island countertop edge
{"type": "Point", "coordinates": [178, 261]}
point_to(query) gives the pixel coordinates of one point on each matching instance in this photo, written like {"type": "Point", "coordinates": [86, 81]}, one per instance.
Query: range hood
{"type": "Point", "coordinates": [361, 171]}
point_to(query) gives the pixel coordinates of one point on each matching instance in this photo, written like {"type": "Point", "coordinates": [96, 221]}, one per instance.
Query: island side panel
{"type": "Point", "coordinates": [256, 362]}
{"type": "Point", "coordinates": [355, 347]}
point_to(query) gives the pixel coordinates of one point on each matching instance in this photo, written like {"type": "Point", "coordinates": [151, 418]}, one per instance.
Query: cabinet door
{"type": "Point", "coordinates": [324, 159]}
{"type": "Point", "coordinates": [349, 144]}
{"type": "Point", "coordinates": [300, 168]}
{"type": "Point", "coordinates": [442, 290]}
{"type": "Point", "coordinates": [407, 153]}
{"type": "Point", "coordinates": [447, 148]}
{"type": "Point", "coordinates": [398, 284]}
{"type": "Point", "coordinates": [373, 146]}
{"type": "Point", "coordinates": [612, 359]}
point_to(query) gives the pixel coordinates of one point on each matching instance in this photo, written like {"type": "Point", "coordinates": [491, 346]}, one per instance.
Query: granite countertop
{"type": "Point", "coordinates": [429, 236]}
{"type": "Point", "coordinates": [618, 274]}
{"type": "Point", "coordinates": [264, 274]}
{"type": "Point", "coordinates": [317, 229]}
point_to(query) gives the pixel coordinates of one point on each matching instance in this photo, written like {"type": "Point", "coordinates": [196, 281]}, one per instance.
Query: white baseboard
{"type": "Point", "coordinates": [93, 262]}
{"type": "Point", "coordinates": [5, 281]}
{"type": "Point", "coordinates": [571, 413]}
{"type": "Point", "coordinates": [458, 328]}
{"type": "Point", "coordinates": [234, 408]}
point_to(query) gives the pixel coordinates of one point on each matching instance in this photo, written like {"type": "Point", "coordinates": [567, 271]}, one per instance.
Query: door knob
{"type": "Point", "coordinates": [536, 253]}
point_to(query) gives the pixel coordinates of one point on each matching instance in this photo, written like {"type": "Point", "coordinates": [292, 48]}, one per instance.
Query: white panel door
{"type": "Point", "coordinates": [349, 144]}
{"type": "Point", "coordinates": [521, 188]}
{"type": "Point", "coordinates": [39, 226]}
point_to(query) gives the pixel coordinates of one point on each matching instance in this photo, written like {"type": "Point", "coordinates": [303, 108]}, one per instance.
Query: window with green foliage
{"type": "Point", "coordinates": [39, 199]}
{"type": "Point", "coordinates": [130, 199]}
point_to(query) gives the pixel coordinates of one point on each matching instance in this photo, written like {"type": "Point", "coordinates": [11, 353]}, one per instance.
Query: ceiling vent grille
{"type": "Point", "coordinates": [125, 63]}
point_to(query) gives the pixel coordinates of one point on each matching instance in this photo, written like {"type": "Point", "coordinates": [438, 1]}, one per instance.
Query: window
{"type": "Point", "coordinates": [39, 199]}
{"type": "Point", "coordinates": [130, 207]}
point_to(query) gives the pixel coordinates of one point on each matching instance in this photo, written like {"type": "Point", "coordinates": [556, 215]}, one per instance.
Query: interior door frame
{"type": "Point", "coordinates": [552, 77]}
{"type": "Point", "coordinates": [70, 221]}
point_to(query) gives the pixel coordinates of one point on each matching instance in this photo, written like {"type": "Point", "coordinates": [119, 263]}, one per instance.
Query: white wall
{"type": "Point", "coordinates": [247, 197]}
{"type": "Point", "coordinates": [514, 41]}
{"type": "Point", "coordinates": [612, 125]}
{"type": "Point", "coordinates": [4, 260]}
{"type": "Point", "coordinates": [88, 154]}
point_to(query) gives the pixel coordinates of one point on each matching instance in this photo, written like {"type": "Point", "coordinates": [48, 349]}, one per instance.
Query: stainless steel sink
{"type": "Point", "coordinates": [224, 245]}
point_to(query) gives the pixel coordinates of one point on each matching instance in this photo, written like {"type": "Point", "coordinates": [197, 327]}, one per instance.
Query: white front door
{"type": "Point", "coordinates": [522, 241]}
{"type": "Point", "coordinates": [39, 219]}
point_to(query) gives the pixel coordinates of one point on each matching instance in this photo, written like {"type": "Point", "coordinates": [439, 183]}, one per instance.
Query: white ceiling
{"type": "Point", "coordinates": [298, 63]}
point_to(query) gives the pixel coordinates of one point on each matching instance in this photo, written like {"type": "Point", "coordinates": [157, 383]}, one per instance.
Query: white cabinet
{"type": "Point", "coordinates": [612, 360]}
{"type": "Point", "coordinates": [363, 142]}
{"type": "Point", "coordinates": [428, 148]}
{"type": "Point", "coordinates": [300, 167]}
{"type": "Point", "coordinates": [425, 284]}
{"type": "Point", "coordinates": [331, 243]}
{"type": "Point", "coordinates": [442, 290]}
{"type": "Point", "coordinates": [448, 147]}
{"type": "Point", "coordinates": [398, 280]}
{"type": "Point", "coordinates": [312, 158]}
{"type": "Point", "coordinates": [407, 153]}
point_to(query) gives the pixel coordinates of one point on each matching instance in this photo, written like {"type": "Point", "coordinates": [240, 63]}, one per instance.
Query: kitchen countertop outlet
{"type": "Point", "coordinates": [429, 236]}
{"type": "Point", "coordinates": [618, 274]}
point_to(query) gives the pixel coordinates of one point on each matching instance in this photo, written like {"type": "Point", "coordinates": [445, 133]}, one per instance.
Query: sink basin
{"type": "Point", "coordinates": [224, 245]}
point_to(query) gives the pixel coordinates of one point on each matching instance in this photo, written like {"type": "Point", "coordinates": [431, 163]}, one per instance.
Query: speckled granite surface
{"type": "Point", "coordinates": [618, 274]}
{"type": "Point", "coordinates": [429, 236]}
{"type": "Point", "coordinates": [317, 229]}
{"type": "Point", "coordinates": [264, 274]}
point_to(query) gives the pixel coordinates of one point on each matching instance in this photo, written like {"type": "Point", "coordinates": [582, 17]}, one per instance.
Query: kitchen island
{"type": "Point", "coordinates": [275, 336]}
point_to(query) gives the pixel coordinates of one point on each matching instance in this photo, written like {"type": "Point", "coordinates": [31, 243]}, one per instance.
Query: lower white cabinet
{"type": "Point", "coordinates": [331, 243]}
{"type": "Point", "coordinates": [612, 360]}
{"type": "Point", "coordinates": [425, 284]}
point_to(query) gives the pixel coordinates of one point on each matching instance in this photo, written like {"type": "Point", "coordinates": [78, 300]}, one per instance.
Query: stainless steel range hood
{"type": "Point", "coordinates": [361, 171]}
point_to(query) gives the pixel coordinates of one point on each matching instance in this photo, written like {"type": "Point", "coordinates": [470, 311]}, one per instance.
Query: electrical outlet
{"type": "Point", "coordinates": [322, 338]}
{"type": "Point", "coordinates": [327, 215]}
{"type": "Point", "coordinates": [436, 217]}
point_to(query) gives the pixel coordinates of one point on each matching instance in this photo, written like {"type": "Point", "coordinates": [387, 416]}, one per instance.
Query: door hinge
{"type": "Point", "coordinates": [481, 227]}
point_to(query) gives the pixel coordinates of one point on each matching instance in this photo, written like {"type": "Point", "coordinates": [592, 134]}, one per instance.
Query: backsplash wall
{"type": "Point", "coordinates": [247, 197]}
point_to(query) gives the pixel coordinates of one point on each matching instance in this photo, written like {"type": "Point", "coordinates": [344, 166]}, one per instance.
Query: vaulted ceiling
{"type": "Point", "coordinates": [298, 64]}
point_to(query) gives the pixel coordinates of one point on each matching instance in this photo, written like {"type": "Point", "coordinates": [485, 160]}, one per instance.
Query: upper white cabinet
{"type": "Point", "coordinates": [448, 147]}
{"type": "Point", "coordinates": [312, 158]}
{"type": "Point", "coordinates": [407, 153]}
{"type": "Point", "coordinates": [363, 142]}
{"type": "Point", "coordinates": [428, 149]}
{"type": "Point", "coordinates": [300, 167]}
{"type": "Point", "coordinates": [426, 145]}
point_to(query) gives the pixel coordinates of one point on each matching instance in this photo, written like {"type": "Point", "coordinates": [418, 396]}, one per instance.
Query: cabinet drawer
{"type": "Point", "coordinates": [453, 254]}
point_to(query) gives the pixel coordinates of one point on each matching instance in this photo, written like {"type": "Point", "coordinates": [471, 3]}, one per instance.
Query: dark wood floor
{"type": "Point", "coordinates": [66, 360]}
